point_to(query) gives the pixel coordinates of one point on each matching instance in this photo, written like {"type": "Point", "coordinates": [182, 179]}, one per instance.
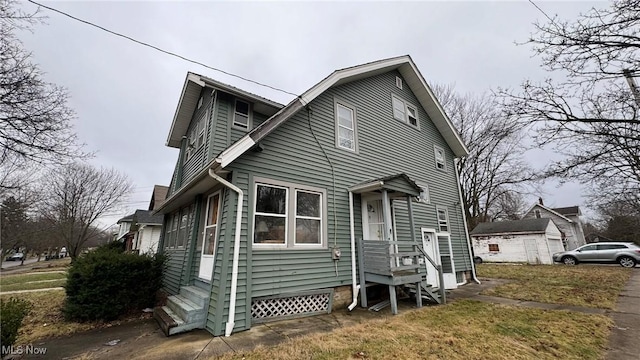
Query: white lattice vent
{"type": "Point", "coordinates": [286, 306]}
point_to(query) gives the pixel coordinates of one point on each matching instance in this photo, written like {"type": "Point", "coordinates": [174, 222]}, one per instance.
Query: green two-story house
{"type": "Point", "coordinates": [277, 211]}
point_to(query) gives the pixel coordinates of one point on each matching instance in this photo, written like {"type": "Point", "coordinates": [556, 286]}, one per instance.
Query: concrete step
{"type": "Point", "coordinates": [187, 310]}
{"type": "Point", "coordinates": [167, 319]}
{"type": "Point", "coordinates": [195, 294]}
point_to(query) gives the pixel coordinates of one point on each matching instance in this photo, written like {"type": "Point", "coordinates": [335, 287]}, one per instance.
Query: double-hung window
{"type": "Point", "coordinates": [211, 224]}
{"type": "Point", "coordinates": [405, 112]}
{"type": "Point", "coordinates": [288, 215]}
{"type": "Point", "coordinates": [308, 218]}
{"type": "Point", "coordinates": [270, 225]}
{"type": "Point", "coordinates": [241, 115]}
{"type": "Point", "coordinates": [345, 127]}
{"type": "Point", "coordinates": [441, 163]}
{"type": "Point", "coordinates": [443, 219]}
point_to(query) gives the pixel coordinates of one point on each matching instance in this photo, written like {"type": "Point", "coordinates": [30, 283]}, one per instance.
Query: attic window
{"type": "Point", "coordinates": [399, 82]}
{"type": "Point", "coordinates": [404, 111]}
{"type": "Point", "coordinates": [241, 115]}
{"type": "Point", "coordinates": [537, 212]}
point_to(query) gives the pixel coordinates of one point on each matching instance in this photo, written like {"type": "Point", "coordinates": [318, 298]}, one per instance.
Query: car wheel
{"type": "Point", "coordinates": [569, 260]}
{"type": "Point", "coordinates": [627, 261]}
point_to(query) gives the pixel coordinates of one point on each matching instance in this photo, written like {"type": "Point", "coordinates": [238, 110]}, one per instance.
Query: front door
{"type": "Point", "coordinates": [210, 236]}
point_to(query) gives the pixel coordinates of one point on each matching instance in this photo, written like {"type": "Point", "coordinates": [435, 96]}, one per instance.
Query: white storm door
{"type": "Point", "coordinates": [446, 261]}
{"type": "Point", "coordinates": [372, 219]}
{"type": "Point", "coordinates": [210, 237]}
{"type": "Point", "coordinates": [430, 246]}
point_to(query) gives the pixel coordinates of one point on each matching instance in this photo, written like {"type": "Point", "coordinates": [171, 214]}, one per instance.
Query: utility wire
{"type": "Point", "coordinates": [537, 7]}
{"type": "Point", "coordinates": [159, 49]}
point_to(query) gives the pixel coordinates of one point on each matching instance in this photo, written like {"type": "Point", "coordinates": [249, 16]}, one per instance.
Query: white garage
{"type": "Point", "coordinates": [532, 241]}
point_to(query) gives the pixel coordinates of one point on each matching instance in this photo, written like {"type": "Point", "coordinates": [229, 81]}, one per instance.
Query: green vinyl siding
{"type": "Point", "coordinates": [173, 271]}
{"type": "Point", "coordinates": [386, 147]}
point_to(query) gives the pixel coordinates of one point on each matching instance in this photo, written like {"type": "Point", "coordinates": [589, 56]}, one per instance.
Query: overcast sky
{"type": "Point", "coordinates": [125, 95]}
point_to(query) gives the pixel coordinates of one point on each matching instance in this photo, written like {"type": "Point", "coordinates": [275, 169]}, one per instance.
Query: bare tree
{"type": "Point", "coordinates": [589, 111]}
{"type": "Point", "coordinates": [494, 171]}
{"type": "Point", "coordinates": [35, 121]}
{"type": "Point", "coordinates": [78, 195]}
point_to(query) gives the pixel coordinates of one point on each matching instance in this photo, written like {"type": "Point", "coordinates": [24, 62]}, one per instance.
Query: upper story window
{"type": "Point", "coordinates": [399, 82]}
{"type": "Point", "coordinates": [405, 112]}
{"type": "Point", "coordinates": [345, 127]}
{"type": "Point", "coordinates": [443, 219]}
{"type": "Point", "coordinates": [424, 195]}
{"type": "Point", "coordinates": [196, 135]}
{"type": "Point", "coordinates": [288, 216]}
{"type": "Point", "coordinates": [441, 162]}
{"type": "Point", "coordinates": [241, 115]}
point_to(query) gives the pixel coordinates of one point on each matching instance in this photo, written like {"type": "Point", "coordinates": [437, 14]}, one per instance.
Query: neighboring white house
{"type": "Point", "coordinates": [147, 230]}
{"type": "Point", "coordinates": [532, 241]}
{"type": "Point", "coordinates": [567, 219]}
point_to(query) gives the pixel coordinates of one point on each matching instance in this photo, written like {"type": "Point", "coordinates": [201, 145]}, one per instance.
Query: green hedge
{"type": "Point", "coordinates": [107, 283]}
{"type": "Point", "coordinates": [12, 312]}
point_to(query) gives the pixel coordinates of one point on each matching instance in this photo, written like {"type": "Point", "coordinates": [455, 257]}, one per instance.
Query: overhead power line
{"type": "Point", "coordinates": [537, 7]}
{"type": "Point", "coordinates": [160, 49]}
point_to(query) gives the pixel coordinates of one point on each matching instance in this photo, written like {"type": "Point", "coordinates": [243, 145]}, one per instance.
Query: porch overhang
{"type": "Point", "coordinates": [396, 185]}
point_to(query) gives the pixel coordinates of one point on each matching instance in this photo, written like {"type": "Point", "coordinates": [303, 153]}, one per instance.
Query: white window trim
{"type": "Point", "coordinates": [296, 217]}
{"type": "Point", "coordinates": [399, 82]}
{"type": "Point", "coordinates": [446, 214]}
{"type": "Point", "coordinates": [426, 199]}
{"type": "Point", "coordinates": [291, 209]}
{"type": "Point", "coordinates": [249, 117]}
{"type": "Point", "coordinates": [406, 106]}
{"type": "Point", "coordinates": [339, 102]}
{"type": "Point", "coordinates": [437, 148]}
{"type": "Point", "coordinates": [285, 215]}
{"type": "Point", "coordinates": [206, 218]}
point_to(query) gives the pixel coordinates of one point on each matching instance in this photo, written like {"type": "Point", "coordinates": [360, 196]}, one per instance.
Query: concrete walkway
{"type": "Point", "coordinates": [144, 340]}
{"type": "Point", "coordinates": [624, 341]}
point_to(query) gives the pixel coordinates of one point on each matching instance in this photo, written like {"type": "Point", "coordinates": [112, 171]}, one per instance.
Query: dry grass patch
{"type": "Point", "coordinates": [46, 319]}
{"type": "Point", "coordinates": [588, 286]}
{"type": "Point", "coordinates": [462, 330]}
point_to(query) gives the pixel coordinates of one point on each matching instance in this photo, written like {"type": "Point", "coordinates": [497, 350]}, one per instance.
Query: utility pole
{"type": "Point", "coordinates": [632, 85]}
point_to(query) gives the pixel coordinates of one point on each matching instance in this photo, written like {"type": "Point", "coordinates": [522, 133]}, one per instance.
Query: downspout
{"type": "Point", "coordinates": [464, 220]}
{"type": "Point", "coordinates": [236, 252]}
{"type": "Point", "coordinates": [354, 286]}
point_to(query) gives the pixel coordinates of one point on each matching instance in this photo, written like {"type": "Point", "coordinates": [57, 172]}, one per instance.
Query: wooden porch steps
{"type": "Point", "coordinates": [428, 292]}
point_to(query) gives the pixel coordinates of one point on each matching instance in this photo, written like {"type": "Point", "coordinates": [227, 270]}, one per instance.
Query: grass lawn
{"type": "Point", "coordinates": [461, 330]}
{"type": "Point", "coordinates": [32, 281]}
{"type": "Point", "coordinates": [588, 286]}
{"type": "Point", "coordinates": [46, 319]}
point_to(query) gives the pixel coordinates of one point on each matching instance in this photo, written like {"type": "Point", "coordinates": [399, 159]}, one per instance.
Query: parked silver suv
{"type": "Point", "coordinates": [625, 254]}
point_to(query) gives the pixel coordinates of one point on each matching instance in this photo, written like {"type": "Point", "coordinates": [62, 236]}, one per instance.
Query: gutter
{"type": "Point", "coordinates": [464, 220]}
{"type": "Point", "coordinates": [354, 287]}
{"type": "Point", "coordinates": [236, 252]}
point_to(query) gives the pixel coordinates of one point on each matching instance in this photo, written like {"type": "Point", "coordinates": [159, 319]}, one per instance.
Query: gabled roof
{"type": "Point", "coordinates": [568, 211]}
{"type": "Point", "coordinates": [145, 217]}
{"type": "Point", "coordinates": [400, 183]}
{"type": "Point", "coordinates": [515, 226]}
{"type": "Point", "coordinates": [128, 218]}
{"type": "Point", "coordinates": [403, 64]}
{"type": "Point", "coordinates": [190, 95]}
{"type": "Point", "coordinates": [549, 210]}
{"type": "Point", "coordinates": [158, 196]}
